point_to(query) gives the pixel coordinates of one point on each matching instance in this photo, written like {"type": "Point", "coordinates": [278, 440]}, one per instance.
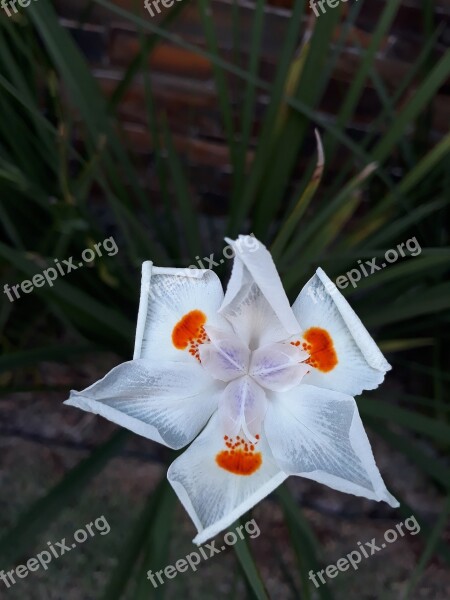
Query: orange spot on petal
{"type": "Point", "coordinates": [189, 333]}
{"type": "Point", "coordinates": [320, 346]}
{"type": "Point", "coordinates": [239, 462]}
{"type": "Point", "coordinates": [189, 328]}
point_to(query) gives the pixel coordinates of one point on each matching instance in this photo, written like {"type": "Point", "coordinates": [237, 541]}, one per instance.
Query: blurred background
{"type": "Point", "coordinates": [164, 133]}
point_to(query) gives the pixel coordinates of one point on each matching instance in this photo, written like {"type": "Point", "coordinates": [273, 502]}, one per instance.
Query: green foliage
{"type": "Point", "coordinates": [46, 181]}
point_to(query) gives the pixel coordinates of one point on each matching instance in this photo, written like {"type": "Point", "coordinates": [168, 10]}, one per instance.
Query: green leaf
{"type": "Point", "coordinates": [412, 304]}
{"type": "Point", "coordinates": [108, 318]}
{"type": "Point", "coordinates": [251, 572]}
{"type": "Point", "coordinates": [422, 95]}
{"type": "Point", "coordinates": [432, 467]}
{"type": "Point", "coordinates": [368, 58]}
{"type": "Point", "coordinates": [24, 358]}
{"type": "Point", "coordinates": [156, 554]}
{"type": "Point", "coordinates": [182, 192]}
{"type": "Point", "coordinates": [406, 511]}
{"type": "Point", "coordinates": [223, 97]}
{"type": "Point", "coordinates": [430, 548]}
{"type": "Point", "coordinates": [37, 518]}
{"type": "Point", "coordinates": [134, 544]}
{"type": "Point", "coordinates": [405, 418]}
{"type": "Point", "coordinates": [306, 546]}
{"type": "Point", "coordinates": [293, 220]}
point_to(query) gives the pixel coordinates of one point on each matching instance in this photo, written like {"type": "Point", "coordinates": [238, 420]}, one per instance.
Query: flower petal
{"type": "Point", "coordinates": [168, 402]}
{"type": "Point", "coordinates": [255, 302]}
{"type": "Point", "coordinates": [175, 305]}
{"type": "Point", "coordinates": [278, 367]}
{"type": "Point", "coordinates": [225, 357]}
{"type": "Point", "coordinates": [242, 406]}
{"type": "Point", "coordinates": [213, 495]}
{"type": "Point", "coordinates": [318, 434]}
{"type": "Point", "coordinates": [348, 359]}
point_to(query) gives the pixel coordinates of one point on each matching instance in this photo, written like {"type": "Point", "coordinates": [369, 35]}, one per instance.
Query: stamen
{"type": "Point", "coordinates": [241, 457]}
{"type": "Point", "coordinates": [248, 435]}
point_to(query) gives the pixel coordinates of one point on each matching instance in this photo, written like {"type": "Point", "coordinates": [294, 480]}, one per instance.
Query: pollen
{"type": "Point", "coordinates": [319, 344]}
{"type": "Point", "coordinates": [240, 458]}
{"type": "Point", "coordinates": [189, 332]}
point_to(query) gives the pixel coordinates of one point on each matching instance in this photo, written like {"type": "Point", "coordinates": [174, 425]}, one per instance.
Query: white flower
{"type": "Point", "coordinates": [263, 389]}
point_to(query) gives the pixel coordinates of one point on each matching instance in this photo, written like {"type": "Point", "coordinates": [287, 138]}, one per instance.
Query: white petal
{"type": "Point", "coordinates": [168, 402]}
{"type": "Point", "coordinates": [255, 302]}
{"type": "Point", "coordinates": [318, 434]}
{"type": "Point", "coordinates": [225, 357]}
{"type": "Point", "coordinates": [360, 364]}
{"type": "Point", "coordinates": [168, 296]}
{"type": "Point", "coordinates": [213, 496]}
{"type": "Point", "coordinates": [278, 367]}
{"type": "Point", "coordinates": [242, 406]}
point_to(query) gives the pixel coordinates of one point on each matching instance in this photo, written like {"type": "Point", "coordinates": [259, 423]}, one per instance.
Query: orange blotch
{"type": "Point", "coordinates": [189, 332]}
{"type": "Point", "coordinates": [239, 459]}
{"type": "Point", "coordinates": [239, 462]}
{"type": "Point", "coordinates": [319, 345]}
